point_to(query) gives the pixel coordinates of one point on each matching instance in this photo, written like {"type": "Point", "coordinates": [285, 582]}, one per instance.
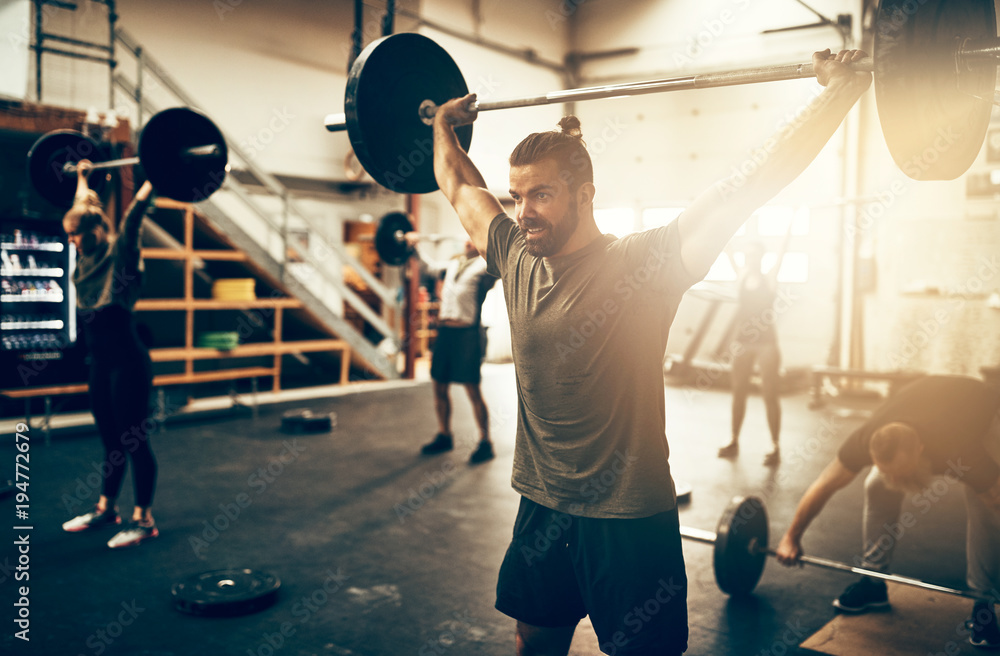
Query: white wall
{"type": "Point", "coordinates": [15, 22]}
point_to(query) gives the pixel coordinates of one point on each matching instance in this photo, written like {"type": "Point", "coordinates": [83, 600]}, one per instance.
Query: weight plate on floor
{"type": "Point", "coordinates": [171, 169]}
{"type": "Point", "coordinates": [740, 546]}
{"type": "Point", "coordinates": [226, 592]}
{"type": "Point", "coordinates": [385, 88]}
{"type": "Point", "coordinates": [51, 152]}
{"type": "Point", "coordinates": [932, 119]}
{"type": "Point", "coordinates": [304, 421]}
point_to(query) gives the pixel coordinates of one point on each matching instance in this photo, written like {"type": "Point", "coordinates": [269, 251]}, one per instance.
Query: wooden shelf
{"type": "Point", "coordinates": [54, 390]}
{"type": "Point", "coordinates": [165, 304]}
{"type": "Point", "coordinates": [176, 254]}
{"type": "Point", "coordinates": [188, 304]}
{"type": "Point", "coordinates": [248, 350]}
{"type": "Point", "coordinates": [213, 376]}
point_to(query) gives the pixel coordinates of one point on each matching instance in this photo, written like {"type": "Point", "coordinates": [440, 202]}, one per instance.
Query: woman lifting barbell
{"type": "Point", "coordinates": [107, 279]}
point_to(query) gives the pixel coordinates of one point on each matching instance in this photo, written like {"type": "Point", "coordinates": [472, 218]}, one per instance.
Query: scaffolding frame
{"type": "Point", "coordinates": [77, 48]}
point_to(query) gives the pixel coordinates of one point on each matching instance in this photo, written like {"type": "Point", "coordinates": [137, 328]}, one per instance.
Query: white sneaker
{"type": "Point", "coordinates": [132, 535]}
{"type": "Point", "coordinates": [92, 520]}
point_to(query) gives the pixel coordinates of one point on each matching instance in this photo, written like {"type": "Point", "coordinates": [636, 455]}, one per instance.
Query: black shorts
{"type": "Point", "coordinates": [627, 574]}
{"type": "Point", "coordinates": [457, 355]}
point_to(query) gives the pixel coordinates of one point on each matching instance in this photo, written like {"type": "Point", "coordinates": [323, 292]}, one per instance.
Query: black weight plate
{"type": "Point", "coordinates": [933, 124]}
{"type": "Point", "coordinates": [304, 421]}
{"type": "Point", "coordinates": [51, 152]}
{"type": "Point", "coordinates": [738, 565]}
{"type": "Point", "coordinates": [173, 172]}
{"type": "Point", "coordinates": [226, 592]}
{"type": "Point", "coordinates": [391, 250]}
{"type": "Point", "coordinates": [387, 83]}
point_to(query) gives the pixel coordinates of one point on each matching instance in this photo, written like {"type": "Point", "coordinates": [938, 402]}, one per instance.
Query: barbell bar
{"type": "Point", "coordinates": [934, 63]}
{"type": "Point", "coordinates": [741, 548]}
{"type": "Point", "coordinates": [182, 152]}
{"type": "Point", "coordinates": [987, 49]}
{"type": "Point", "coordinates": [428, 108]}
{"type": "Point", "coordinates": [208, 150]}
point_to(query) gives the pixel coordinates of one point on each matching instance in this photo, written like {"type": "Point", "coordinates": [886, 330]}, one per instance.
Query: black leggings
{"type": "Point", "coordinates": [768, 357]}
{"type": "Point", "coordinates": [121, 379]}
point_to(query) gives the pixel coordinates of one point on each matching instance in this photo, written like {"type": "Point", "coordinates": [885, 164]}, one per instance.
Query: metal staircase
{"type": "Point", "coordinates": [313, 275]}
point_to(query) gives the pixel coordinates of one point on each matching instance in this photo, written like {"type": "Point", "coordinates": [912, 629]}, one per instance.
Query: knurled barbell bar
{"type": "Point", "coordinates": [198, 151]}
{"type": "Point", "coordinates": [934, 64]}
{"type": "Point", "coordinates": [741, 549]}
{"type": "Point", "coordinates": [182, 152]}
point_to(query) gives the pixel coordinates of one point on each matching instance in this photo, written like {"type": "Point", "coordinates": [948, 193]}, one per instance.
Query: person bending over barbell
{"type": "Point", "coordinates": [937, 426]}
{"type": "Point", "coordinates": [107, 278]}
{"type": "Point", "coordinates": [589, 316]}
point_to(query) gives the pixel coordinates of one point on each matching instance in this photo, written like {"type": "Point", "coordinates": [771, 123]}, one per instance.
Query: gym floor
{"type": "Point", "coordinates": [382, 551]}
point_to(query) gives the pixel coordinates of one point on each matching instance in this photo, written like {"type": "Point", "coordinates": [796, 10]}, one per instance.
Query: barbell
{"type": "Point", "coordinates": [934, 65]}
{"type": "Point", "coordinates": [390, 238]}
{"type": "Point", "coordinates": [741, 550]}
{"type": "Point", "coordinates": [182, 152]}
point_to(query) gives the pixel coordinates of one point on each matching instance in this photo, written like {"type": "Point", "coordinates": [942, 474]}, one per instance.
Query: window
{"type": "Point", "coordinates": [794, 268]}
{"type": "Point", "coordinates": [657, 217]}
{"type": "Point", "coordinates": [618, 221]}
{"type": "Point", "coordinates": [773, 221]}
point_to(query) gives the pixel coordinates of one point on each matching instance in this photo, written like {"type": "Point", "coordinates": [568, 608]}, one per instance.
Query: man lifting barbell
{"type": "Point", "coordinates": [589, 317]}
{"type": "Point", "coordinates": [946, 426]}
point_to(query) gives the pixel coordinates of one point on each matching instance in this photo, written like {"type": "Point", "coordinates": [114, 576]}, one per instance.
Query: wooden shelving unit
{"type": "Point", "coordinates": [188, 304]}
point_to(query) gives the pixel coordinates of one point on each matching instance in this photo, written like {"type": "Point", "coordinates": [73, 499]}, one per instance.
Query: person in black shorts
{"type": "Point", "coordinates": [458, 350]}
{"type": "Point", "coordinates": [938, 435]}
{"type": "Point", "coordinates": [107, 278]}
{"type": "Point", "coordinates": [597, 530]}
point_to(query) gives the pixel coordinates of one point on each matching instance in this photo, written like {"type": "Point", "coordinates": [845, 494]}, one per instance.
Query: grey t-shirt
{"type": "Point", "coordinates": [588, 332]}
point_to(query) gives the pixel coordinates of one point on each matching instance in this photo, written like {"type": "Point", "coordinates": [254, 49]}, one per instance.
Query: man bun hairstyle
{"type": "Point", "coordinates": [565, 146]}
{"type": "Point", "coordinates": [571, 126]}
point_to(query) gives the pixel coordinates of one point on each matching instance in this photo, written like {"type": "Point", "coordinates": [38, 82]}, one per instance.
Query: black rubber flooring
{"type": "Point", "coordinates": [381, 551]}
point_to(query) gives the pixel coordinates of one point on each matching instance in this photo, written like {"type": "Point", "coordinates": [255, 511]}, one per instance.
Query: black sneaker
{"type": "Point", "coordinates": [92, 520]}
{"type": "Point", "coordinates": [440, 444]}
{"type": "Point", "coordinates": [983, 630]}
{"type": "Point", "coordinates": [867, 594]}
{"type": "Point", "coordinates": [482, 454]}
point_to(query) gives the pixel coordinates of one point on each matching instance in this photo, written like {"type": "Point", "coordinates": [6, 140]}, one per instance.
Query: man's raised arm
{"type": "Point", "coordinates": [459, 179]}
{"type": "Point", "coordinates": [717, 213]}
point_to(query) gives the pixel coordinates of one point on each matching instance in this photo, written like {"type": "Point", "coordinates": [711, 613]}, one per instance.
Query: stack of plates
{"type": "Point", "coordinates": [224, 341]}
{"type": "Point", "coordinates": [234, 289]}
